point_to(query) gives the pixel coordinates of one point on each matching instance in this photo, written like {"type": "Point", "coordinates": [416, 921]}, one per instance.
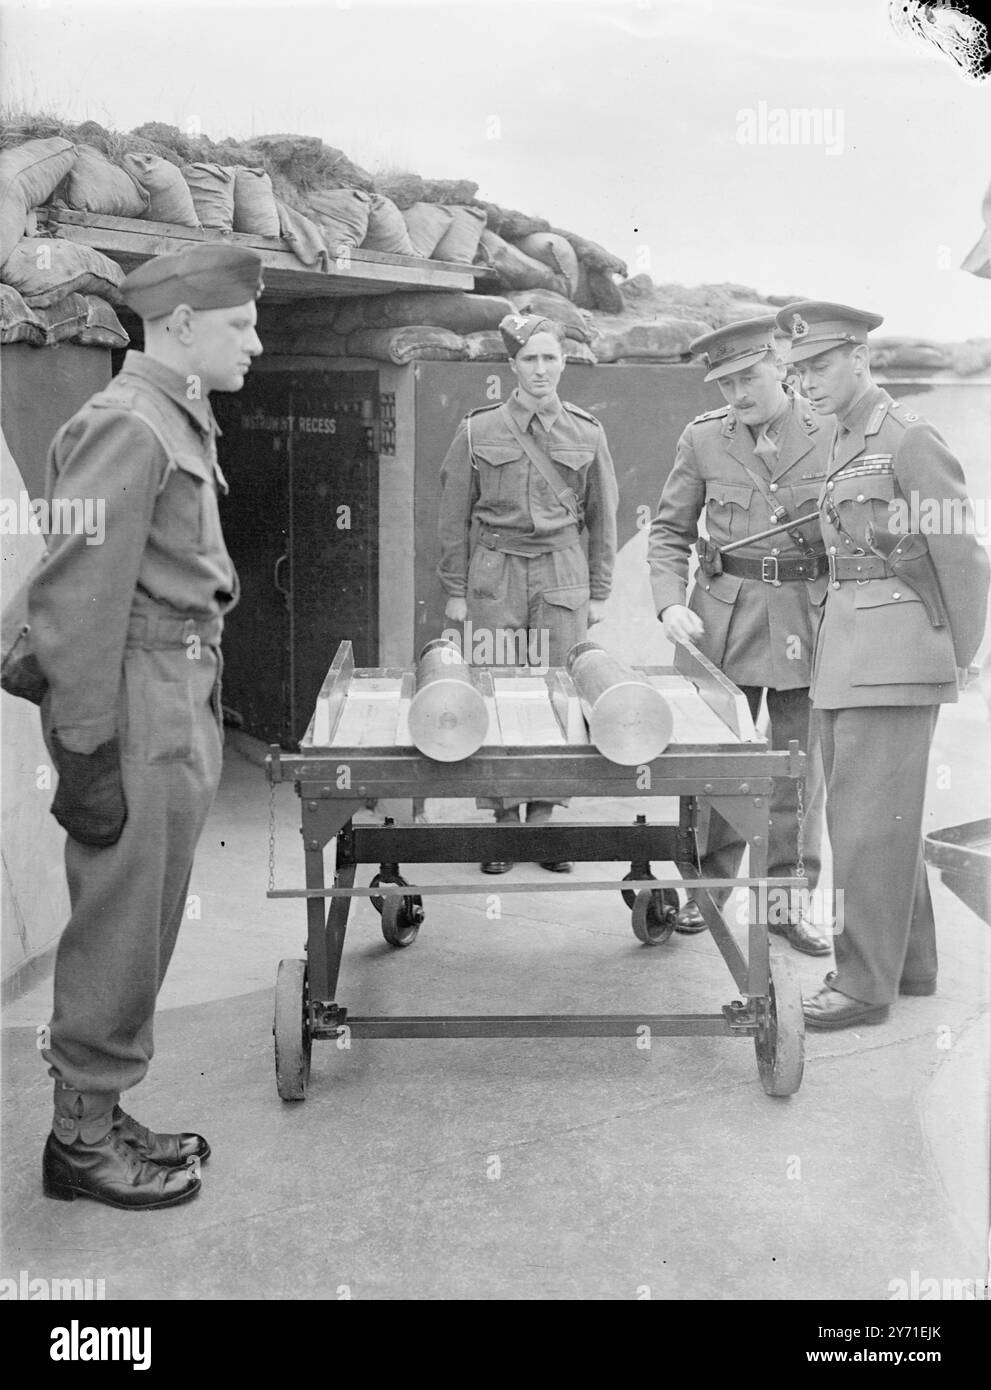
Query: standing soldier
{"type": "Point", "coordinates": [902, 612]}
{"type": "Point", "coordinates": [520, 482]}
{"type": "Point", "coordinates": [127, 636]}
{"type": "Point", "coordinates": [756, 462]}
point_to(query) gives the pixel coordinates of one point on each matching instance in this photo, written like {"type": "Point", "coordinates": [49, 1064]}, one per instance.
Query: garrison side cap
{"type": "Point", "coordinates": [815, 326]}
{"type": "Point", "coordinates": [517, 330]}
{"type": "Point", "coordinates": [734, 347]}
{"type": "Point", "coordinates": [204, 276]}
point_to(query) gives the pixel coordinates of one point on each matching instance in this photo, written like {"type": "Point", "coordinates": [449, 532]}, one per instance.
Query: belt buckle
{"type": "Point", "coordinates": [831, 565]}
{"type": "Point", "coordinates": [769, 575]}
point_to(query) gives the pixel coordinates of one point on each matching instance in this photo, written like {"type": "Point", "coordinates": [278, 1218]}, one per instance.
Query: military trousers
{"type": "Point", "coordinates": [875, 762]}
{"type": "Point", "coordinates": [525, 610]}
{"type": "Point", "coordinates": [790, 714]}
{"type": "Point", "coordinates": [128, 899]}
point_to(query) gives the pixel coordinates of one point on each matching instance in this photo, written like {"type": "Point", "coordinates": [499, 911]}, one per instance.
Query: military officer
{"type": "Point", "coordinates": [902, 612]}
{"type": "Point", "coordinates": [520, 483]}
{"type": "Point", "coordinates": [127, 635]}
{"type": "Point", "coordinates": [757, 461]}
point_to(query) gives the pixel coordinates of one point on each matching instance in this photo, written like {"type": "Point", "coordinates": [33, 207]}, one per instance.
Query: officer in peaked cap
{"type": "Point", "coordinates": [127, 635]}
{"type": "Point", "coordinates": [902, 612]}
{"type": "Point", "coordinates": [757, 461]}
{"type": "Point", "coordinates": [521, 481]}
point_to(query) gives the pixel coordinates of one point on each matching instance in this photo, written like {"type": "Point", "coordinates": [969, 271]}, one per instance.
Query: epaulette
{"type": "Point", "coordinates": [904, 416]}
{"type": "Point", "coordinates": [577, 410]}
{"type": "Point", "coordinates": [480, 408]}
{"type": "Point", "coordinates": [719, 414]}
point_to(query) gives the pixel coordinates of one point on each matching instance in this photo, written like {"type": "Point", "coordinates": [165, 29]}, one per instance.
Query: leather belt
{"type": "Point", "coordinates": [528, 546]}
{"type": "Point", "coordinates": [160, 630]}
{"type": "Point", "coordinates": [860, 567]}
{"type": "Point", "coordinates": [774, 569]}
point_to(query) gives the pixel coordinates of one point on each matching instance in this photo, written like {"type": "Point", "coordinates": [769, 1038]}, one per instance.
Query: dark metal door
{"type": "Point", "coordinates": [301, 523]}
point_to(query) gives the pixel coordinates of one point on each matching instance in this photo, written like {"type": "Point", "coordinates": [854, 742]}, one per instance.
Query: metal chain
{"type": "Point", "coordinates": [800, 817]}
{"type": "Point", "coordinates": [271, 834]}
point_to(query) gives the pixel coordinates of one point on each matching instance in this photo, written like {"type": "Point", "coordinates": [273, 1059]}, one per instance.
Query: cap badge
{"type": "Point", "coordinates": [799, 327]}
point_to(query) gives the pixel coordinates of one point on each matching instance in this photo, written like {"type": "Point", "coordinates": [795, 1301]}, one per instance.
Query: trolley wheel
{"type": "Point", "coordinates": [654, 911]}
{"type": "Point", "coordinates": [376, 901]}
{"type": "Point", "coordinates": [780, 1041]}
{"type": "Point", "coordinates": [292, 1030]}
{"type": "Point", "coordinates": [401, 918]}
{"type": "Point", "coordinates": [628, 895]}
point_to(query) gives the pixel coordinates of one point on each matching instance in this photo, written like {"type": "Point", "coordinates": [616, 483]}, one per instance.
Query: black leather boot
{"type": "Point", "coordinates": [110, 1171]}
{"type": "Point", "coordinates": [169, 1150]}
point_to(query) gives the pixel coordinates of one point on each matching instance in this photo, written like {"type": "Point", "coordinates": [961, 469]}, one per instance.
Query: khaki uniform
{"type": "Point", "coordinates": [127, 633]}
{"type": "Point", "coordinates": [881, 671]}
{"type": "Point", "coordinates": [509, 545]}
{"type": "Point", "coordinates": [760, 635]}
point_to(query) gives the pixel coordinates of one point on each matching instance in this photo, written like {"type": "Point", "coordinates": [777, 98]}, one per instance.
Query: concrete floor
{"type": "Point", "coordinates": [526, 1169]}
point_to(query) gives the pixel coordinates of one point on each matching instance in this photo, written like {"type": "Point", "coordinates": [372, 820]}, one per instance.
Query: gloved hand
{"type": "Point", "coordinates": [89, 803]}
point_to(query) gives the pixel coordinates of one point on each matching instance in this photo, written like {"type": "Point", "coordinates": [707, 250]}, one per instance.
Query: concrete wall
{"type": "Point", "coordinates": [42, 387]}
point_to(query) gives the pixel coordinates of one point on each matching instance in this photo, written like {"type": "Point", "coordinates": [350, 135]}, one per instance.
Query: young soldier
{"type": "Point", "coordinates": [520, 482]}
{"type": "Point", "coordinates": [902, 612]}
{"type": "Point", "coordinates": [127, 634]}
{"type": "Point", "coordinates": [757, 461]}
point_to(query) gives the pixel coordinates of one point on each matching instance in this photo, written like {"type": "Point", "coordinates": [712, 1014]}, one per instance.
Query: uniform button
{"type": "Point", "coordinates": [860, 497]}
{"type": "Point", "coordinates": [836, 583]}
{"type": "Point", "coordinates": [832, 550]}
{"type": "Point", "coordinates": [829, 487]}
{"type": "Point", "coordinates": [773, 487]}
{"type": "Point", "coordinates": [896, 594]}
{"type": "Point", "coordinates": [708, 587]}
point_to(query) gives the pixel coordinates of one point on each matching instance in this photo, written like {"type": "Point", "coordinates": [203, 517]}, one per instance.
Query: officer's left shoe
{"type": "Point", "coordinates": [828, 1008]}
{"type": "Point", "coordinates": [168, 1150]}
{"type": "Point", "coordinates": [689, 920]}
{"type": "Point", "coordinates": [803, 936]}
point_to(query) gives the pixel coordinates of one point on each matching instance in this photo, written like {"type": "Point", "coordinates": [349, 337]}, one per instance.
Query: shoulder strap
{"type": "Point", "coordinates": [542, 464]}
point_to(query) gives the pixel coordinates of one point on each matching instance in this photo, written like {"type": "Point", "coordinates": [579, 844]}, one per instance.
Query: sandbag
{"type": "Point", "coordinates": [417, 343]}
{"type": "Point", "coordinates": [63, 319]}
{"type": "Point", "coordinates": [551, 305]}
{"type": "Point", "coordinates": [18, 321]}
{"type": "Point", "coordinates": [254, 203]}
{"type": "Point", "coordinates": [303, 237]}
{"type": "Point", "coordinates": [510, 224]}
{"type": "Point", "coordinates": [169, 198]}
{"type": "Point", "coordinates": [387, 229]}
{"type": "Point", "coordinates": [485, 347]}
{"type": "Point", "coordinates": [596, 257]}
{"type": "Point", "coordinates": [553, 251]}
{"type": "Point", "coordinates": [460, 241]}
{"type": "Point", "coordinates": [580, 353]}
{"type": "Point", "coordinates": [45, 270]}
{"type": "Point", "coordinates": [666, 340]}
{"type": "Point", "coordinates": [604, 291]}
{"type": "Point", "coordinates": [426, 224]}
{"type": "Point", "coordinates": [342, 216]}
{"type": "Point", "coordinates": [212, 187]}
{"type": "Point", "coordinates": [29, 174]}
{"type": "Point", "coordinates": [95, 184]}
{"type": "Point", "coordinates": [461, 313]}
{"type": "Point", "coordinates": [402, 189]}
{"type": "Point", "coordinates": [102, 327]}
{"type": "Point", "coordinates": [516, 270]}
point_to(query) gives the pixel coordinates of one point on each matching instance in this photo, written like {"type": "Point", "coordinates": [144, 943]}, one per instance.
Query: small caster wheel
{"type": "Point", "coordinates": [388, 877]}
{"type": "Point", "coordinates": [292, 1030]}
{"type": "Point", "coordinates": [628, 894]}
{"type": "Point", "coordinates": [401, 918]}
{"type": "Point", "coordinates": [780, 1039]}
{"type": "Point", "coordinates": [654, 914]}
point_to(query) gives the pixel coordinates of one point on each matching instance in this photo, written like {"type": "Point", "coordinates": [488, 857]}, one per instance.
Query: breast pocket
{"type": "Point", "coordinates": [502, 470]}
{"type": "Point", "coordinates": [727, 509]}
{"type": "Point", "coordinates": [863, 501]}
{"type": "Point", "coordinates": [187, 515]}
